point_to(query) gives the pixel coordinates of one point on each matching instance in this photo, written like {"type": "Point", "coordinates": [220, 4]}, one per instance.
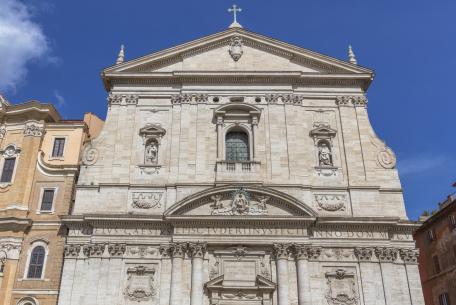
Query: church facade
{"type": "Point", "coordinates": [238, 169]}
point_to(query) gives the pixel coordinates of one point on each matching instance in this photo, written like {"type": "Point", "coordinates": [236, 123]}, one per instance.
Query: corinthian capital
{"type": "Point", "coordinates": [364, 254]}
{"type": "Point", "coordinates": [281, 251]}
{"type": "Point", "coordinates": [197, 249]}
{"type": "Point", "coordinates": [386, 255]}
{"type": "Point", "coordinates": [409, 256]}
{"type": "Point", "coordinates": [177, 249]}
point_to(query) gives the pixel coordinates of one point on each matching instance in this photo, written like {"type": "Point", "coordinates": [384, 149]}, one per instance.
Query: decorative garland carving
{"type": "Point", "coordinates": [146, 200]}
{"type": "Point", "coordinates": [331, 202]}
{"type": "Point", "coordinates": [33, 130]}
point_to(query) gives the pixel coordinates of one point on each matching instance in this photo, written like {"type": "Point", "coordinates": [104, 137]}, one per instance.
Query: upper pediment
{"type": "Point", "coordinates": [234, 51]}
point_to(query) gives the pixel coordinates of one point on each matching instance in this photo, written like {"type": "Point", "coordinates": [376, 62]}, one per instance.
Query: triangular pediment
{"type": "Point", "coordinates": [252, 52]}
{"type": "Point", "coordinates": [240, 202]}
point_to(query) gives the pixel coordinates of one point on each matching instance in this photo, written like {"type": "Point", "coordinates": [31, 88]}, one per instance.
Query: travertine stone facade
{"type": "Point", "coordinates": [28, 135]}
{"type": "Point", "coordinates": [308, 211]}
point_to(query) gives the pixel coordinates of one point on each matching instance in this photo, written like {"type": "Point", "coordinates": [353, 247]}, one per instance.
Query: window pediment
{"type": "Point", "coordinates": [152, 131]}
{"type": "Point", "coordinates": [323, 131]}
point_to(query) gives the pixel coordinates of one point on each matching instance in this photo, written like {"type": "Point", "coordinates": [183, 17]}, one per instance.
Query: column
{"type": "Point", "coordinates": [281, 252]}
{"type": "Point", "coordinates": [301, 253]}
{"type": "Point", "coordinates": [197, 251]}
{"type": "Point", "coordinates": [177, 252]}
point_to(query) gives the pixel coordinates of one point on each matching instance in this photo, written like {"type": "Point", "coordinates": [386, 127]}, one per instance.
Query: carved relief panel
{"type": "Point", "coordinates": [141, 284]}
{"type": "Point", "coordinates": [239, 275]}
{"type": "Point", "coordinates": [341, 286]}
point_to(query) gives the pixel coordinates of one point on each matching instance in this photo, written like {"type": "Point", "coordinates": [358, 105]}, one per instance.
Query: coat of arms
{"type": "Point", "coordinates": [140, 283]}
{"type": "Point", "coordinates": [341, 288]}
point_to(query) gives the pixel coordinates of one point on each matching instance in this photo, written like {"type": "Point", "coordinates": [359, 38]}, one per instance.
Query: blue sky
{"type": "Point", "coordinates": [53, 51]}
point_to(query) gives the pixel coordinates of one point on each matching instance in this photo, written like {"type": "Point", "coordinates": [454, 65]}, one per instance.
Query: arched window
{"type": "Point", "coordinates": [36, 263]}
{"type": "Point", "coordinates": [237, 146]}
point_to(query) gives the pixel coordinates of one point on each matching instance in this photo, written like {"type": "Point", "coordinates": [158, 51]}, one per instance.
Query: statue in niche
{"type": "Point", "coordinates": [324, 154]}
{"type": "Point", "coordinates": [151, 152]}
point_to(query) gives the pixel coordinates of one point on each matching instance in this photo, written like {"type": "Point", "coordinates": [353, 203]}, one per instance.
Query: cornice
{"type": "Point", "coordinates": [55, 170]}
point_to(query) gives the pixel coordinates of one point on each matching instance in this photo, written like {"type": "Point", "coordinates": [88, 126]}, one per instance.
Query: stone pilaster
{"type": "Point", "coordinates": [197, 251]}
{"type": "Point", "coordinates": [301, 253]}
{"type": "Point", "coordinates": [177, 253]}
{"type": "Point", "coordinates": [281, 254]}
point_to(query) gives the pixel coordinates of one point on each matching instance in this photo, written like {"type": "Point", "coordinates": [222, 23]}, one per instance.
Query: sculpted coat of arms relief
{"type": "Point", "coordinates": [140, 283]}
{"type": "Point", "coordinates": [240, 203]}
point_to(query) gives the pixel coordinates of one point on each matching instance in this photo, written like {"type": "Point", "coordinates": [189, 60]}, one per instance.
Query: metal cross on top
{"type": "Point", "coordinates": [235, 9]}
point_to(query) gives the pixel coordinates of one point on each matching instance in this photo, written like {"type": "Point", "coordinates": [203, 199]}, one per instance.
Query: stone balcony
{"type": "Point", "coordinates": [237, 170]}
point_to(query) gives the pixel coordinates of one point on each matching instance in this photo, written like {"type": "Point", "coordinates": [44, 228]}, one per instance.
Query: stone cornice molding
{"type": "Point", "coordinates": [270, 45]}
{"type": "Point", "coordinates": [55, 170]}
{"type": "Point", "coordinates": [242, 77]}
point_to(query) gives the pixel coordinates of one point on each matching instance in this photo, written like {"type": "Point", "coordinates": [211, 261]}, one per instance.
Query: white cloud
{"type": "Point", "coordinates": [421, 164]}
{"type": "Point", "coordinates": [21, 40]}
{"type": "Point", "coordinates": [60, 99]}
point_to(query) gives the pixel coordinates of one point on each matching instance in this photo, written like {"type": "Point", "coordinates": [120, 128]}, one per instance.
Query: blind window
{"type": "Point", "coordinates": [59, 145]}
{"type": "Point", "coordinates": [8, 169]}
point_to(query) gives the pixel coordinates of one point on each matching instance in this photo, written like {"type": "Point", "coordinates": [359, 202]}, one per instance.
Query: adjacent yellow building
{"type": "Point", "coordinates": [39, 163]}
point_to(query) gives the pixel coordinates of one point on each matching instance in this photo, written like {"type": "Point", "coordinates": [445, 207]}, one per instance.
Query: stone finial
{"type": "Point", "coordinates": [121, 56]}
{"type": "Point", "coordinates": [351, 56]}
